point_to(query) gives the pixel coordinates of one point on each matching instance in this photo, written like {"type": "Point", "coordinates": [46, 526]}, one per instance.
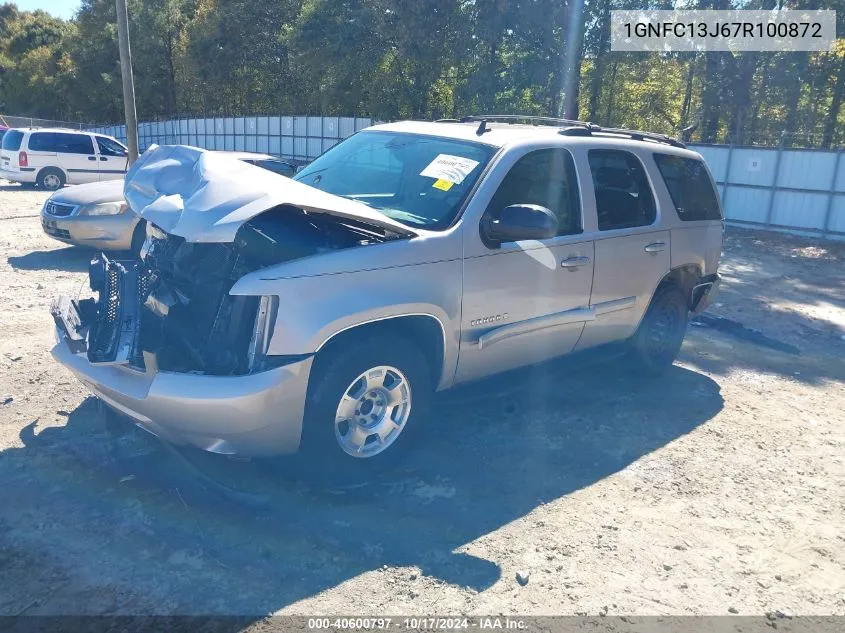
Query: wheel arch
{"type": "Point", "coordinates": [424, 330]}
{"type": "Point", "coordinates": [684, 276]}
{"type": "Point", "coordinates": [61, 171]}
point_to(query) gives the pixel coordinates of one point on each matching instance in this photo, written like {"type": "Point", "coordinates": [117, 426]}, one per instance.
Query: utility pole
{"type": "Point", "coordinates": [128, 81]}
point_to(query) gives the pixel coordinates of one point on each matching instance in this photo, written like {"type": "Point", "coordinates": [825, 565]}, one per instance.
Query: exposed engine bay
{"type": "Point", "coordinates": [172, 307]}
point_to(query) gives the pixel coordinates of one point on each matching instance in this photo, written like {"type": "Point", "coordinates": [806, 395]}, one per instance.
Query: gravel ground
{"type": "Point", "coordinates": [572, 488]}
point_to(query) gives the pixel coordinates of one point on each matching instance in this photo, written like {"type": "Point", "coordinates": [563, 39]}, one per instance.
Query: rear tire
{"type": "Point", "coordinates": [50, 179]}
{"type": "Point", "coordinates": [658, 340]}
{"type": "Point", "coordinates": [364, 403]}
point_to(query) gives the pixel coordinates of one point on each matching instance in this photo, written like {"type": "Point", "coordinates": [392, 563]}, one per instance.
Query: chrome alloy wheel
{"type": "Point", "coordinates": [373, 411]}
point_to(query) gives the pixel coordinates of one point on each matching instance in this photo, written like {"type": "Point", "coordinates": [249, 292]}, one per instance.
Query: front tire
{"type": "Point", "coordinates": [365, 402]}
{"type": "Point", "coordinates": [139, 236]}
{"type": "Point", "coordinates": [50, 179]}
{"type": "Point", "coordinates": [659, 338]}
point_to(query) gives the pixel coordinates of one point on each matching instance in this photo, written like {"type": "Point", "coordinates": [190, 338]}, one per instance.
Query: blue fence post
{"type": "Point", "coordinates": [775, 178]}
{"type": "Point", "coordinates": [726, 180]}
{"type": "Point", "coordinates": [828, 214]}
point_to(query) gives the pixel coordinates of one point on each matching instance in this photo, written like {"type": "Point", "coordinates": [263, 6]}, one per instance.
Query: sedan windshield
{"type": "Point", "coordinates": [418, 180]}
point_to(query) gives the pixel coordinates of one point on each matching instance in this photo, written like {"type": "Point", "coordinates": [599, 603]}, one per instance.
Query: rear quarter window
{"type": "Point", "coordinates": [12, 140]}
{"type": "Point", "coordinates": [690, 187]}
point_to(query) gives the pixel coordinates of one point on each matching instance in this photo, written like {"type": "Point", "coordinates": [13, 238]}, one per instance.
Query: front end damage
{"type": "Point", "coordinates": [172, 306]}
{"type": "Point", "coordinates": [164, 342]}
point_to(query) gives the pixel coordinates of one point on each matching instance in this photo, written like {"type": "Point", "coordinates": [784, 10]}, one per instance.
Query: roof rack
{"type": "Point", "coordinates": [519, 118]}
{"type": "Point", "coordinates": [572, 127]}
{"type": "Point", "coordinates": [637, 135]}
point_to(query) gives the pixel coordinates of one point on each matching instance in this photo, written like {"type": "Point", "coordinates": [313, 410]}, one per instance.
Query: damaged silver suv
{"type": "Point", "coordinates": [266, 313]}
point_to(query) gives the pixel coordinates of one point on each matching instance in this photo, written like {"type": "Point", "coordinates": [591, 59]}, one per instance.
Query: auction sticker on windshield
{"type": "Point", "coordinates": [449, 168]}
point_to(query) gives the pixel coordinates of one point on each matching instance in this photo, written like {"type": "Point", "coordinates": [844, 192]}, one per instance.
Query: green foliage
{"type": "Point", "coordinates": [423, 59]}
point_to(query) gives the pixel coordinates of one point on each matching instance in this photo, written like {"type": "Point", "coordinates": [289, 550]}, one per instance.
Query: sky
{"type": "Point", "coordinates": [60, 8]}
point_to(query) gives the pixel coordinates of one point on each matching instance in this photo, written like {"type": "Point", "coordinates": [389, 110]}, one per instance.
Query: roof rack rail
{"type": "Point", "coordinates": [572, 127]}
{"type": "Point", "coordinates": [637, 135]}
{"type": "Point", "coordinates": [519, 118]}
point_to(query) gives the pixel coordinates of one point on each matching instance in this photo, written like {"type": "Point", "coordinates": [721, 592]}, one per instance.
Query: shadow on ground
{"type": "Point", "coordinates": [124, 510]}
{"type": "Point", "coordinates": [71, 259]}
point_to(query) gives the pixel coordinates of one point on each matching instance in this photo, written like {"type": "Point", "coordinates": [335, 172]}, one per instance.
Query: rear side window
{"type": "Point", "coordinates": [42, 142]}
{"type": "Point", "coordinates": [623, 195]}
{"type": "Point", "coordinates": [690, 186]}
{"type": "Point", "coordinates": [12, 140]}
{"type": "Point", "coordinates": [74, 143]}
{"type": "Point", "coordinates": [545, 177]}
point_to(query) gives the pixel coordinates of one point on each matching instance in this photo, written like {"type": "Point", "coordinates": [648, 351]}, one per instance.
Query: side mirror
{"type": "Point", "coordinates": [519, 222]}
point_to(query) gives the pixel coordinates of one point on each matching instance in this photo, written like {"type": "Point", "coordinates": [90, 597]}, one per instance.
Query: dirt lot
{"type": "Point", "coordinates": [720, 488]}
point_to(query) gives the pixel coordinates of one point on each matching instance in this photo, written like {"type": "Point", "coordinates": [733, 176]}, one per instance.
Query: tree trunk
{"type": "Point", "coordinates": [600, 62]}
{"type": "Point", "coordinates": [711, 111]}
{"type": "Point", "coordinates": [835, 106]}
{"type": "Point", "coordinates": [608, 115]}
{"type": "Point", "coordinates": [793, 96]}
{"type": "Point", "coordinates": [555, 90]}
{"type": "Point", "coordinates": [171, 71]}
{"type": "Point", "coordinates": [685, 109]}
{"type": "Point", "coordinates": [573, 60]}
{"type": "Point", "coordinates": [751, 132]}
{"type": "Point", "coordinates": [743, 80]}
{"type": "Point", "coordinates": [712, 83]}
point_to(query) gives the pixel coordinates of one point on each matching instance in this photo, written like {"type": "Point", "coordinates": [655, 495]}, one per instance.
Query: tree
{"type": "Point", "coordinates": [396, 59]}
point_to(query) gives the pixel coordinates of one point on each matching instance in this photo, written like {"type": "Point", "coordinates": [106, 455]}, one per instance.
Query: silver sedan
{"type": "Point", "coordinates": [96, 214]}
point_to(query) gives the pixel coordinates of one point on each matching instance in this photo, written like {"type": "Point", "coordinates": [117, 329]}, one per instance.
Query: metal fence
{"type": "Point", "coordinates": [800, 191]}
{"type": "Point", "coordinates": [300, 137]}
{"type": "Point", "coordinates": [27, 121]}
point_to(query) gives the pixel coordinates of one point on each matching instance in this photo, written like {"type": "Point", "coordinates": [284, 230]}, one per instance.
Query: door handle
{"type": "Point", "coordinates": [575, 262]}
{"type": "Point", "coordinates": [103, 158]}
{"type": "Point", "coordinates": [655, 247]}
{"type": "Point", "coordinates": [92, 158]}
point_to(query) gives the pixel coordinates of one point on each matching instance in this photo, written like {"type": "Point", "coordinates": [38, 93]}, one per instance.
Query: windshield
{"type": "Point", "coordinates": [418, 180]}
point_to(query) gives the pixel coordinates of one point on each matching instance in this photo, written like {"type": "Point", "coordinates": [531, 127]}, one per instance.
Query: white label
{"type": "Point", "coordinates": [450, 168]}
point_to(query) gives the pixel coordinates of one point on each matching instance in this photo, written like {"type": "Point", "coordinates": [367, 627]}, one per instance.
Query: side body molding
{"type": "Point", "coordinates": [567, 317]}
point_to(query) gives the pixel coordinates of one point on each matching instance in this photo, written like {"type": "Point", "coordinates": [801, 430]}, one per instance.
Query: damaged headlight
{"type": "Point", "coordinates": [103, 208]}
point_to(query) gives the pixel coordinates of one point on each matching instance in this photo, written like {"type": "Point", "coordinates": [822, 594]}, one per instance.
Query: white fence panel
{"type": "Point", "coordinates": [837, 217]}
{"type": "Point", "coordinates": [301, 137]}
{"type": "Point", "coordinates": [799, 191]}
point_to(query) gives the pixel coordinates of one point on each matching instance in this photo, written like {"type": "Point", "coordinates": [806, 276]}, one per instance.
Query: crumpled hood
{"type": "Point", "coordinates": [206, 196]}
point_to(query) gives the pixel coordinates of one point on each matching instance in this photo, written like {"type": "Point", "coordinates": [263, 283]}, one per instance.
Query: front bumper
{"type": "Point", "coordinates": [105, 232]}
{"type": "Point", "coordinates": [252, 415]}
